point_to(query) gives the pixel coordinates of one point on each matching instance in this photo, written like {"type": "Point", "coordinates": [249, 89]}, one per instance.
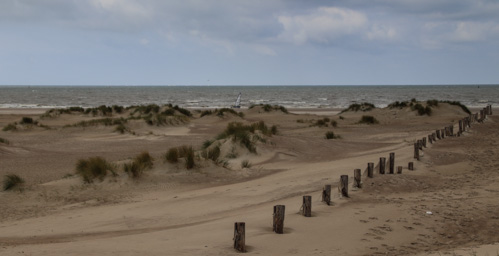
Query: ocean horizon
{"type": "Point", "coordinates": [219, 96]}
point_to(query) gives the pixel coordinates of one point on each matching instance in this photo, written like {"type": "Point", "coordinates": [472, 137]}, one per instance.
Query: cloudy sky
{"type": "Point", "coordinates": [248, 42]}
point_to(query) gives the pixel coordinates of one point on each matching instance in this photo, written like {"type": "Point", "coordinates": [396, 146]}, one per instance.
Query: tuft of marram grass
{"type": "Point", "coordinates": [93, 168]}
{"type": "Point", "coordinates": [10, 127]}
{"type": "Point", "coordinates": [368, 120]}
{"type": "Point", "coordinates": [330, 135]}
{"type": "Point", "coordinates": [171, 155]}
{"type": "Point", "coordinates": [4, 141]}
{"type": "Point", "coordinates": [245, 164]}
{"type": "Point", "coordinates": [12, 181]}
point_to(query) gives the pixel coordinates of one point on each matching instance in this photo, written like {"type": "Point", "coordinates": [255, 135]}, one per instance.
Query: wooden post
{"type": "Point", "coordinates": [429, 139]}
{"type": "Point", "coordinates": [434, 137]}
{"type": "Point", "coordinates": [382, 162]}
{"type": "Point", "coordinates": [460, 126]}
{"type": "Point", "coordinates": [307, 206]}
{"type": "Point", "coordinates": [239, 236]}
{"type": "Point", "coordinates": [416, 151]}
{"type": "Point", "coordinates": [399, 169]}
{"type": "Point", "coordinates": [438, 135]}
{"type": "Point", "coordinates": [391, 166]}
{"type": "Point", "coordinates": [424, 142]}
{"type": "Point", "coordinates": [411, 166]}
{"type": "Point", "coordinates": [370, 170]}
{"type": "Point", "coordinates": [357, 178]}
{"type": "Point", "coordinates": [278, 225]}
{"type": "Point", "coordinates": [490, 109]}
{"type": "Point", "coordinates": [420, 145]}
{"type": "Point", "coordinates": [326, 194]}
{"type": "Point", "coordinates": [442, 133]}
{"type": "Point", "coordinates": [344, 185]}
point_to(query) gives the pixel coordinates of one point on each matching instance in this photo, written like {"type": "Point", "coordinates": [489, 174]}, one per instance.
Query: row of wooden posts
{"type": "Point", "coordinates": [306, 209]}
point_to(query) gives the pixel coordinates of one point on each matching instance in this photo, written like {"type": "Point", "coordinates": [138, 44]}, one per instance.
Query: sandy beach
{"type": "Point", "coordinates": [447, 205]}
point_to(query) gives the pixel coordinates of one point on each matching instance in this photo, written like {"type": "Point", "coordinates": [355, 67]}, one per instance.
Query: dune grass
{"type": "Point", "coordinates": [187, 152]}
{"type": "Point", "coordinates": [368, 120]}
{"type": "Point", "coordinates": [212, 153]}
{"type": "Point", "coordinates": [171, 155]}
{"type": "Point", "coordinates": [140, 163]}
{"type": "Point", "coordinates": [10, 127]}
{"type": "Point", "coordinates": [365, 106]}
{"type": "Point", "coordinates": [245, 164]}
{"type": "Point", "coordinates": [12, 181]}
{"type": "Point", "coordinates": [268, 108]}
{"type": "Point", "coordinates": [93, 168]}
{"type": "Point", "coordinates": [331, 135]}
{"type": "Point", "coordinates": [4, 141]}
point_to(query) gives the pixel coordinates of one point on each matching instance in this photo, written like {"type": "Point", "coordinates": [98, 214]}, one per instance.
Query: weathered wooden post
{"type": "Point", "coordinates": [391, 166]}
{"type": "Point", "coordinates": [357, 178]}
{"type": "Point", "coordinates": [399, 169]}
{"type": "Point", "coordinates": [420, 145]}
{"type": "Point", "coordinates": [442, 133]}
{"type": "Point", "coordinates": [326, 194]}
{"type": "Point", "coordinates": [429, 139]}
{"type": "Point", "coordinates": [424, 142]}
{"type": "Point", "coordinates": [434, 137]}
{"type": "Point", "coordinates": [460, 126]}
{"type": "Point", "coordinates": [411, 166]}
{"type": "Point", "coordinates": [382, 162]}
{"type": "Point", "coordinates": [490, 109]}
{"type": "Point", "coordinates": [307, 206]}
{"type": "Point", "coordinates": [451, 130]}
{"type": "Point", "coordinates": [344, 185]}
{"type": "Point", "coordinates": [239, 236]}
{"type": "Point", "coordinates": [278, 225]}
{"type": "Point", "coordinates": [370, 170]}
{"type": "Point", "coordinates": [438, 134]}
{"type": "Point", "coordinates": [416, 151]}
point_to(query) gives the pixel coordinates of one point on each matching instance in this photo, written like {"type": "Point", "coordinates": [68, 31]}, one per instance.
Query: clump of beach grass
{"type": "Point", "coordinates": [140, 163]}
{"type": "Point", "coordinates": [4, 141]}
{"type": "Point", "coordinates": [171, 155]}
{"type": "Point", "coordinates": [10, 127]}
{"type": "Point", "coordinates": [268, 108]}
{"type": "Point", "coordinates": [365, 106]}
{"type": "Point", "coordinates": [12, 181]}
{"type": "Point", "coordinates": [331, 135]}
{"type": "Point", "coordinates": [421, 109]}
{"type": "Point", "coordinates": [93, 168]}
{"type": "Point", "coordinates": [186, 152]}
{"type": "Point", "coordinates": [212, 153]}
{"type": "Point", "coordinates": [245, 134]}
{"type": "Point", "coordinates": [334, 123]}
{"type": "Point", "coordinates": [27, 121]}
{"type": "Point", "coordinates": [368, 120]}
{"type": "Point", "coordinates": [245, 164]}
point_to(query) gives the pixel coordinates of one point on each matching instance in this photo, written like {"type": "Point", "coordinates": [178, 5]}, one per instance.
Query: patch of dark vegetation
{"type": "Point", "coordinates": [365, 106]}
{"type": "Point", "coordinates": [212, 153]}
{"type": "Point", "coordinates": [184, 111]}
{"type": "Point", "coordinates": [421, 109]}
{"type": "Point", "coordinates": [186, 152]}
{"type": "Point", "coordinates": [432, 103]}
{"type": "Point", "coordinates": [330, 135]}
{"type": "Point", "coordinates": [368, 120]}
{"type": "Point", "coordinates": [10, 127]}
{"type": "Point", "coordinates": [334, 123]}
{"type": "Point", "coordinates": [4, 141]}
{"type": "Point", "coordinates": [457, 103]}
{"type": "Point", "coordinates": [322, 122]}
{"type": "Point", "coordinates": [103, 121]}
{"type": "Point", "coordinates": [245, 134]}
{"type": "Point", "coordinates": [140, 163]}
{"type": "Point", "coordinates": [425, 110]}
{"type": "Point", "coordinates": [399, 104]}
{"type": "Point", "coordinates": [222, 112]}
{"type": "Point", "coordinates": [268, 108]}
{"type": "Point", "coordinates": [93, 168]}
{"type": "Point", "coordinates": [245, 164]}
{"type": "Point", "coordinates": [27, 121]}
{"type": "Point", "coordinates": [12, 181]}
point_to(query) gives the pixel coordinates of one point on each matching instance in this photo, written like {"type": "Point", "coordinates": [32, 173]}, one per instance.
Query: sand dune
{"type": "Point", "coordinates": [448, 205]}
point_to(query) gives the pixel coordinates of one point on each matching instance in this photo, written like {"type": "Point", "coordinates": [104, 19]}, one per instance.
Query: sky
{"type": "Point", "coordinates": [248, 42]}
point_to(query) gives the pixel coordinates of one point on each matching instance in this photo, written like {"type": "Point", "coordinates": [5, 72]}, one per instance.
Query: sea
{"type": "Point", "coordinates": [334, 97]}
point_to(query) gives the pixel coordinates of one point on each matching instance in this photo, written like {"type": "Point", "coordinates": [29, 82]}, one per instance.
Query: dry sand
{"type": "Point", "coordinates": [174, 211]}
